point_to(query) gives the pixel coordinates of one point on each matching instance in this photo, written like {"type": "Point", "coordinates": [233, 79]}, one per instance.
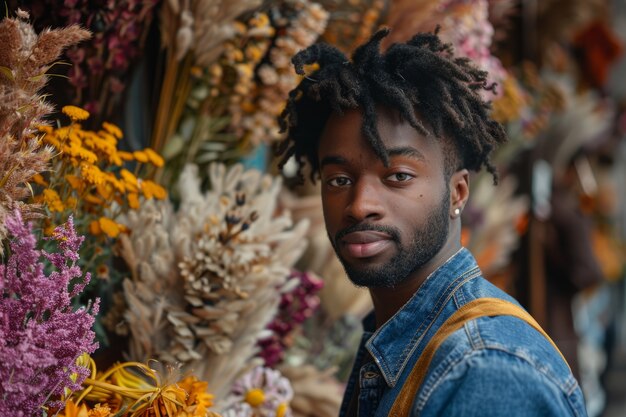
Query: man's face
{"type": "Point", "coordinates": [384, 223]}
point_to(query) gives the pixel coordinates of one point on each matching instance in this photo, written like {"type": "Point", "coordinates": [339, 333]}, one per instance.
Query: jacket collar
{"type": "Point", "coordinates": [395, 342]}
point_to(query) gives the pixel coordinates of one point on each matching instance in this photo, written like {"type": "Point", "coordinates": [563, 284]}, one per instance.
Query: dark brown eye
{"type": "Point", "coordinates": [399, 177]}
{"type": "Point", "coordinates": [339, 181]}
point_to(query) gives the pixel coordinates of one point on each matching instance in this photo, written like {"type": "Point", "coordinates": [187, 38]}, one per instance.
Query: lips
{"type": "Point", "coordinates": [366, 244]}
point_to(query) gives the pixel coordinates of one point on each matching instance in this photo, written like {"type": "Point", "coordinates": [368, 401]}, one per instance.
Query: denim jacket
{"type": "Point", "coordinates": [493, 366]}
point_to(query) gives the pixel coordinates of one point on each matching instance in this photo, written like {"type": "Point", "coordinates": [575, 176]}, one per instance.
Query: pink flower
{"type": "Point", "coordinates": [41, 335]}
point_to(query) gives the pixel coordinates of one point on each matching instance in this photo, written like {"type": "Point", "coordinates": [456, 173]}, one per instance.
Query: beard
{"type": "Point", "coordinates": [425, 243]}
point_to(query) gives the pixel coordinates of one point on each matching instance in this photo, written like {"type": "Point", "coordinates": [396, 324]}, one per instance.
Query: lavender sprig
{"type": "Point", "coordinates": [41, 336]}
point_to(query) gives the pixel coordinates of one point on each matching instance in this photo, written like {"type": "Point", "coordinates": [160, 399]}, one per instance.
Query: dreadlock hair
{"type": "Point", "coordinates": [421, 75]}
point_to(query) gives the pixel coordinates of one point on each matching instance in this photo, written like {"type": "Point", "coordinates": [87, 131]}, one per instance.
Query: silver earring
{"type": "Point", "coordinates": [457, 211]}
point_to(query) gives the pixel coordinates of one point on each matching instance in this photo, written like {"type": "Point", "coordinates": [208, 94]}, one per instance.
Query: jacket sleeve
{"type": "Point", "coordinates": [490, 383]}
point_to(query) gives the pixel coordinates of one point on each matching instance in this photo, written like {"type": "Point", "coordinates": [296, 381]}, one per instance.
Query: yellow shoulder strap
{"type": "Point", "coordinates": [482, 307]}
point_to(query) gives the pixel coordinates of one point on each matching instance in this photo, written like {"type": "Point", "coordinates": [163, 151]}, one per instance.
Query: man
{"type": "Point", "coordinates": [392, 137]}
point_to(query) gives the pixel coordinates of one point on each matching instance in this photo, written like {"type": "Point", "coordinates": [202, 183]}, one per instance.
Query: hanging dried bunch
{"type": "Point", "coordinates": [192, 32]}
{"type": "Point", "coordinates": [352, 23]}
{"type": "Point", "coordinates": [256, 105]}
{"type": "Point", "coordinates": [200, 26]}
{"type": "Point", "coordinates": [25, 58]}
{"type": "Point", "coordinates": [208, 279]}
{"type": "Point", "coordinates": [232, 106]}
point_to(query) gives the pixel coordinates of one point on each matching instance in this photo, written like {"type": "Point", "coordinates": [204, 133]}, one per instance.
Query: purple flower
{"type": "Point", "coordinates": [41, 336]}
{"type": "Point", "coordinates": [295, 307]}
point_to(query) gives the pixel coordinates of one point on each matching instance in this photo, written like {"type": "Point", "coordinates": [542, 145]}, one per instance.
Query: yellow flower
{"type": "Point", "coordinates": [154, 157]}
{"type": "Point", "coordinates": [109, 227]}
{"type": "Point", "coordinates": [75, 182]}
{"type": "Point", "coordinates": [73, 410]}
{"type": "Point", "coordinates": [75, 113]}
{"type": "Point", "coordinates": [52, 140]}
{"type": "Point", "coordinates": [44, 129]}
{"type": "Point", "coordinates": [102, 145]}
{"type": "Point", "coordinates": [106, 137]}
{"type": "Point", "coordinates": [133, 200]}
{"type": "Point", "coordinates": [70, 202]}
{"type": "Point", "coordinates": [114, 158]}
{"type": "Point", "coordinates": [94, 228]}
{"type": "Point", "coordinates": [141, 156]}
{"type": "Point", "coordinates": [151, 189]}
{"type": "Point", "coordinates": [115, 182]}
{"type": "Point", "coordinates": [198, 399]}
{"type": "Point", "coordinates": [113, 129]}
{"type": "Point", "coordinates": [92, 199]}
{"type": "Point", "coordinates": [129, 177]}
{"type": "Point", "coordinates": [126, 156]}
{"type": "Point", "coordinates": [52, 199]}
{"type": "Point", "coordinates": [39, 179]}
{"type": "Point", "coordinates": [75, 149]}
{"type": "Point", "coordinates": [100, 411]}
{"type": "Point", "coordinates": [105, 191]}
{"type": "Point", "coordinates": [92, 174]}
{"type": "Point", "coordinates": [146, 392]}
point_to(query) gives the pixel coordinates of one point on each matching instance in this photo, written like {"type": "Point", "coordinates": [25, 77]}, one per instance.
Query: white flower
{"type": "Point", "coordinates": [265, 391]}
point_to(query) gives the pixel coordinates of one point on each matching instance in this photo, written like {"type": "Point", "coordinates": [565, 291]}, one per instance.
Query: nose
{"type": "Point", "coordinates": [366, 201]}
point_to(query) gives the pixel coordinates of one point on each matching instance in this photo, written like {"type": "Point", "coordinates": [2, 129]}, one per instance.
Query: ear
{"type": "Point", "coordinates": [459, 192]}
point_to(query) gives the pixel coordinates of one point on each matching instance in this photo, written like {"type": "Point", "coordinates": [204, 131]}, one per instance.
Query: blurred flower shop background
{"type": "Point", "coordinates": [153, 260]}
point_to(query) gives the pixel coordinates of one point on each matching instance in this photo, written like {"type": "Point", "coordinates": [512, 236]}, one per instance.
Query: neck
{"type": "Point", "coordinates": [387, 301]}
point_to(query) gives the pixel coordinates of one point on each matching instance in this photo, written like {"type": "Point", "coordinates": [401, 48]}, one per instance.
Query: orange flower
{"type": "Point", "coordinates": [105, 190]}
{"type": "Point", "coordinates": [48, 230]}
{"type": "Point", "coordinates": [92, 174]}
{"type": "Point", "coordinates": [112, 129]}
{"type": "Point", "coordinates": [73, 410]}
{"type": "Point", "coordinates": [116, 183]}
{"type": "Point", "coordinates": [129, 177]}
{"type": "Point", "coordinates": [52, 199]}
{"type": "Point", "coordinates": [100, 411]}
{"type": "Point", "coordinates": [151, 189]}
{"type": "Point", "coordinates": [133, 200]}
{"type": "Point", "coordinates": [94, 228]}
{"type": "Point", "coordinates": [92, 199]}
{"type": "Point", "coordinates": [154, 157]}
{"type": "Point", "coordinates": [75, 182]}
{"type": "Point", "coordinates": [70, 202]}
{"type": "Point", "coordinates": [114, 158]}
{"type": "Point", "coordinates": [75, 113]}
{"type": "Point", "coordinates": [109, 227]}
{"type": "Point", "coordinates": [39, 179]}
{"type": "Point", "coordinates": [44, 128]}
{"type": "Point", "coordinates": [126, 156]}
{"type": "Point", "coordinates": [197, 394]}
{"type": "Point", "coordinates": [141, 156]}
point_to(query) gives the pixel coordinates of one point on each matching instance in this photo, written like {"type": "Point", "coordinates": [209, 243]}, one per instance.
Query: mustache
{"type": "Point", "coordinates": [365, 227]}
